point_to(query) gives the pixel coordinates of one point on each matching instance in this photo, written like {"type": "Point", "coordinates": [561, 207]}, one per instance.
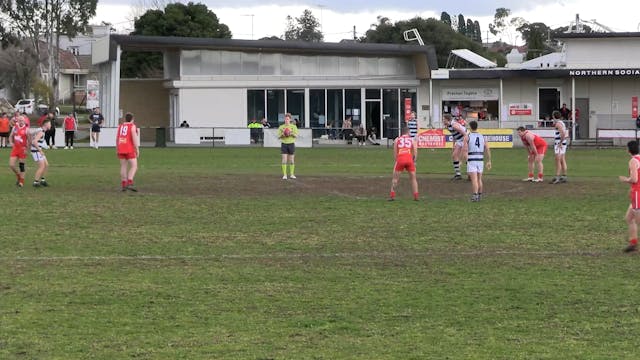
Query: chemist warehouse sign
{"type": "Point", "coordinates": [439, 138]}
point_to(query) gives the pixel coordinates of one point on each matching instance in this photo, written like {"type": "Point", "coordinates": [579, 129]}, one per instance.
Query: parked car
{"type": "Point", "coordinates": [44, 108]}
{"type": "Point", "coordinates": [26, 105]}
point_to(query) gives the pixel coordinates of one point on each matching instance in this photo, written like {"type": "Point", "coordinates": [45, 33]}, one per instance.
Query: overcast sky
{"type": "Point", "coordinates": [247, 18]}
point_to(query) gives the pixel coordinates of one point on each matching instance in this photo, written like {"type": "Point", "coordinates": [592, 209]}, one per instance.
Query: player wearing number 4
{"type": "Point", "coordinates": [477, 150]}
{"type": "Point", "coordinates": [287, 134]}
{"type": "Point", "coordinates": [405, 151]}
{"type": "Point", "coordinates": [128, 149]}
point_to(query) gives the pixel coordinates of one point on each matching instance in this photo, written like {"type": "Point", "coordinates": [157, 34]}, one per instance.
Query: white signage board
{"type": "Point", "coordinates": [468, 94]}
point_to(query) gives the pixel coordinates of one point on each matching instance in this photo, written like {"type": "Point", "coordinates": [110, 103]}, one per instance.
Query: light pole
{"type": "Point", "coordinates": [252, 15]}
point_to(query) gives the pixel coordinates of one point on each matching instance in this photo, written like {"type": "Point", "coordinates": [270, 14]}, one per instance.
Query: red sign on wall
{"type": "Point", "coordinates": [634, 107]}
{"type": "Point", "coordinates": [407, 109]}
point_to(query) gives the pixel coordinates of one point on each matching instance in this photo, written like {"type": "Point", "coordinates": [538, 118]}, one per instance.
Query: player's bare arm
{"type": "Point", "coordinates": [633, 171]}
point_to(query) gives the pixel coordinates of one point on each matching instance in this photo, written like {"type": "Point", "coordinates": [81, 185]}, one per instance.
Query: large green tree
{"type": "Point", "coordinates": [305, 28]}
{"type": "Point", "coordinates": [44, 21]}
{"type": "Point", "coordinates": [177, 19]}
{"type": "Point", "coordinates": [433, 32]}
{"type": "Point", "coordinates": [535, 36]}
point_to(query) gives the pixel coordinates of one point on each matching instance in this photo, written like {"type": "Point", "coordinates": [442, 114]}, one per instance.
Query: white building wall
{"type": "Point", "coordinates": [516, 91]}
{"type": "Point", "coordinates": [214, 107]}
{"type": "Point", "coordinates": [610, 53]}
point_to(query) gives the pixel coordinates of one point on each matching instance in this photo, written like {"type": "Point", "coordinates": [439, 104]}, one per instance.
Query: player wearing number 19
{"type": "Point", "coordinates": [128, 150]}
{"type": "Point", "coordinates": [477, 151]}
{"type": "Point", "coordinates": [405, 151]}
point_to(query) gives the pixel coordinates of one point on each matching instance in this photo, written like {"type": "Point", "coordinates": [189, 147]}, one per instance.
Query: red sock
{"type": "Point", "coordinates": [415, 196]}
{"type": "Point", "coordinates": [393, 194]}
{"type": "Point", "coordinates": [540, 175]}
{"type": "Point", "coordinates": [130, 182]}
{"type": "Point", "coordinates": [124, 183]}
{"type": "Point", "coordinates": [633, 242]}
{"type": "Point", "coordinates": [530, 175]}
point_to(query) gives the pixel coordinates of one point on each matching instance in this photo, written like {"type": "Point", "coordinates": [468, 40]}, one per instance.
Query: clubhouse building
{"type": "Point", "coordinates": [224, 84]}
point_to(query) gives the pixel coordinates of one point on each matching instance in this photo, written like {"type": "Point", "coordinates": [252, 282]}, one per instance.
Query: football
{"type": "Point", "coordinates": [287, 132]}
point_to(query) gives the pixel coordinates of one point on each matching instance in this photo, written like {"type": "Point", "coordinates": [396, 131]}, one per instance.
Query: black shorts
{"type": "Point", "coordinates": [95, 128]}
{"type": "Point", "coordinates": [288, 149]}
{"type": "Point", "coordinates": [4, 134]}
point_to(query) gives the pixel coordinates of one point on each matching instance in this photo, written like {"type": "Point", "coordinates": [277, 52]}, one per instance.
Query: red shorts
{"type": "Point", "coordinates": [127, 156]}
{"type": "Point", "coordinates": [405, 164]}
{"type": "Point", "coordinates": [18, 153]}
{"type": "Point", "coordinates": [634, 196]}
{"type": "Point", "coordinates": [541, 150]}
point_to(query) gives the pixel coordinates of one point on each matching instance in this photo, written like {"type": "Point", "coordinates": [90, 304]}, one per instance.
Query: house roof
{"type": "Point", "coordinates": [158, 43]}
{"type": "Point", "coordinates": [598, 35]}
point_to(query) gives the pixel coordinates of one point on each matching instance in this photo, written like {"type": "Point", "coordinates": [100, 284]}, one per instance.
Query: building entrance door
{"type": "Point", "coordinates": [373, 115]}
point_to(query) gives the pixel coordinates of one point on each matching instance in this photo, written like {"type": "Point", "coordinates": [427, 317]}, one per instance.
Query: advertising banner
{"type": "Point", "coordinates": [93, 94]}
{"type": "Point", "coordinates": [520, 109]}
{"type": "Point", "coordinates": [441, 138]}
{"type": "Point", "coordinates": [431, 139]}
{"type": "Point", "coordinates": [407, 109]}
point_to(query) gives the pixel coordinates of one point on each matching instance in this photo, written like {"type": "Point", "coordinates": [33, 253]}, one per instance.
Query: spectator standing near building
{"type": "Point", "coordinates": [19, 140]}
{"type": "Point", "coordinates": [458, 133]}
{"type": "Point", "coordinates": [405, 153]}
{"type": "Point", "coordinates": [361, 135]}
{"type": "Point", "coordinates": [96, 120]}
{"type": "Point", "coordinates": [632, 216]}
{"type": "Point", "coordinates": [38, 144]}
{"type": "Point", "coordinates": [50, 135]}
{"type": "Point", "coordinates": [70, 128]}
{"type": "Point", "coordinates": [128, 150]}
{"type": "Point", "coordinates": [287, 133]}
{"type": "Point", "coordinates": [5, 128]}
{"type": "Point", "coordinates": [536, 147]}
{"type": "Point", "coordinates": [184, 124]}
{"type": "Point", "coordinates": [347, 130]}
{"type": "Point", "coordinates": [412, 124]}
{"type": "Point", "coordinates": [265, 123]}
{"type": "Point", "coordinates": [560, 149]}
{"type": "Point", "coordinates": [565, 112]}
{"type": "Point", "coordinates": [255, 131]}
{"type": "Point", "coordinates": [477, 152]}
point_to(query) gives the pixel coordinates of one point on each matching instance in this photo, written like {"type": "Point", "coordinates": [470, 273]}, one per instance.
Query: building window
{"type": "Point", "coordinates": [255, 105]}
{"type": "Point", "coordinates": [295, 106]}
{"type": "Point", "coordinates": [334, 107]}
{"type": "Point", "coordinates": [316, 109]}
{"type": "Point", "coordinates": [74, 50]}
{"type": "Point", "coordinates": [275, 107]}
{"type": "Point", "coordinates": [76, 81]}
{"type": "Point", "coordinates": [353, 104]}
{"type": "Point", "coordinates": [390, 113]}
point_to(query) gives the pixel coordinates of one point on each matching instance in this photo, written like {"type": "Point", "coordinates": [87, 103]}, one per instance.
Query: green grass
{"type": "Point", "coordinates": [217, 258]}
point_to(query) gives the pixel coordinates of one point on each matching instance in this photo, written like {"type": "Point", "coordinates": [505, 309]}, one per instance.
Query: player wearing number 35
{"type": "Point", "coordinates": [128, 149]}
{"type": "Point", "coordinates": [405, 151]}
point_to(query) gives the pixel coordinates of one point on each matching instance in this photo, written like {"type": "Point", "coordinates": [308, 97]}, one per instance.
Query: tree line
{"type": "Point", "coordinates": [31, 29]}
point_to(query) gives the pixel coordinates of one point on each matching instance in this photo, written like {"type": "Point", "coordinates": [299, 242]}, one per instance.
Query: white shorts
{"type": "Point", "coordinates": [560, 150]}
{"type": "Point", "coordinates": [475, 167]}
{"type": "Point", "coordinates": [37, 157]}
{"type": "Point", "coordinates": [458, 144]}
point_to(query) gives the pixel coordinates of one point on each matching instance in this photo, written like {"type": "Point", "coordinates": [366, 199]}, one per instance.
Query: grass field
{"type": "Point", "coordinates": [218, 258]}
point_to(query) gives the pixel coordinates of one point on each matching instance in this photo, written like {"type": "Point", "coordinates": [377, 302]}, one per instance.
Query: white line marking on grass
{"type": "Point", "coordinates": [363, 255]}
